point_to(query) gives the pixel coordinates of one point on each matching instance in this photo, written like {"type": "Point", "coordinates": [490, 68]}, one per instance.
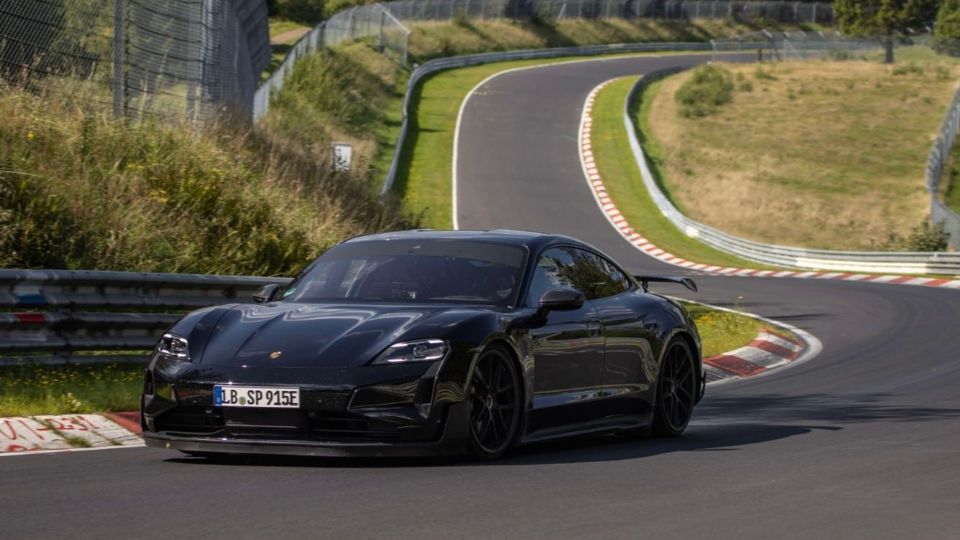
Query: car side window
{"type": "Point", "coordinates": [550, 272]}
{"type": "Point", "coordinates": [616, 283]}
{"type": "Point", "coordinates": [591, 275]}
{"type": "Point", "coordinates": [582, 270]}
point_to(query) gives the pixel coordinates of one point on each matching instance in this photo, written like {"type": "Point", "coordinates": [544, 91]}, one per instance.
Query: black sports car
{"type": "Point", "coordinates": [428, 342]}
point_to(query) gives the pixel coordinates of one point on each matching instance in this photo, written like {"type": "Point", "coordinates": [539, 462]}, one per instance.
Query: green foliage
{"type": "Point", "coordinates": [708, 88]}
{"type": "Point", "coordinates": [762, 75]}
{"type": "Point", "coordinates": [329, 88]}
{"type": "Point", "coordinates": [81, 190]}
{"type": "Point", "coordinates": [946, 30]}
{"type": "Point", "coordinates": [309, 12]}
{"type": "Point", "coordinates": [887, 19]}
{"type": "Point", "coordinates": [911, 68]}
{"type": "Point", "coordinates": [30, 390]}
{"type": "Point", "coordinates": [923, 237]}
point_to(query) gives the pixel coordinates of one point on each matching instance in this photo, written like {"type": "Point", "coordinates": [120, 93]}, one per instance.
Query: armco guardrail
{"type": "Point", "coordinates": [62, 312]}
{"type": "Point", "coordinates": [812, 259]}
{"type": "Point", "coordinates": [433, 66]}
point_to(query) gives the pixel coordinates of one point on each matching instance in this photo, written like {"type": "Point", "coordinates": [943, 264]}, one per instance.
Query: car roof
{"type": "Point", "coordinates": [498, 236]}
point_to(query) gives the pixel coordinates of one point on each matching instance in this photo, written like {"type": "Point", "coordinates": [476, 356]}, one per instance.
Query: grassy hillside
{"type": "Point", "coordinates": [822, 154]}
{"type": "Point", "coordinates": [447, 38]}
{"type": "Point", "coordinates": [81, 190]}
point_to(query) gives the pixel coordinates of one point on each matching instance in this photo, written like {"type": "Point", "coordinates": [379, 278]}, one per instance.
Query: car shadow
{"type": "Point", "coordinates": [721, 424]}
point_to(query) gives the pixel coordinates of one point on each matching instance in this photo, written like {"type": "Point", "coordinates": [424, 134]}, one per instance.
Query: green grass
{"type": "Point", "coordinates": [282, 26]}
{"type": "Point", "coordinates": [723, 331]}
{"type": "Point", "coordinates": [93, 388]}
{"type": "Point", "coordinates": [621, 177]}
{"type": "Point", "coordinates": [950, 188]}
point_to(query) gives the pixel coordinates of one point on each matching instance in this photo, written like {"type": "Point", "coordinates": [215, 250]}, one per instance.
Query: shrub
{"type": "Point", "coordinates": [911, 68]}
{"type": "Point", "coordinates": [708, 88]}
{"type": "Point", "coordinates": [762, 75]}
{"type": "Point", "coordinates": [923, 237]}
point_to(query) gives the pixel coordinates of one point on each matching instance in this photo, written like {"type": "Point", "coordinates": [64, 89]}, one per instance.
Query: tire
{"type": "Point", "coordinates": [676, 390]}
{"type": "Point", "coordinates": [495, 398]}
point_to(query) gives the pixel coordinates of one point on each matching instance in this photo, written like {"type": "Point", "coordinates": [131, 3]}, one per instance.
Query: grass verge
{"type": "Point", "coordinates": [723, 331]}
{"type": "Point", "coordinates": [823, 154]}
{"type": "Point", "coordinates": [950, 188]}
{"type": "Point", "coordinates": [35, 390]}
{"type": "Point", "coordinates": [617, 167]}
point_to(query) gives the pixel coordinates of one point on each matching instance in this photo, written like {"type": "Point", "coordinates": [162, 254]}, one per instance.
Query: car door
{"type": "Point", "coordinates": [568, 351]}
{"type": "Point", "coordinates": [629, 366]}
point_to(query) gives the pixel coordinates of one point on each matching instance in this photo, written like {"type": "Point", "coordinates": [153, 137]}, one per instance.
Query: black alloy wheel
{"type": "Point", "coordinates": [676, 390]}
{"type": "Point", "coordinates": [495, 404]}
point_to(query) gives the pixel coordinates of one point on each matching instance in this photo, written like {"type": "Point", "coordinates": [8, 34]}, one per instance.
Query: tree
{"type": "Point", "coordinates": [885, 19]}
{"type": "Point", "coordinates": [946, 33]}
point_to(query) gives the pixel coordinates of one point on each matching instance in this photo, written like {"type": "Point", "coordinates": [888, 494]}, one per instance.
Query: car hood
{"type": "Point", "coordinates": [319, 335]}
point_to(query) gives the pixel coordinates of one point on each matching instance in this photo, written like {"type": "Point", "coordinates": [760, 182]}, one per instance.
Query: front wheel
{"type": "Point", "coordinates": [676, 390]}
{"type": "Point", "coordinates": [495, 404]}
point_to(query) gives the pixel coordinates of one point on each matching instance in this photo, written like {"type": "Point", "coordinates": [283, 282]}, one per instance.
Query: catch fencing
{"type": "Point", "coordinates": [372, 21]}
{"type": "Point", "coordinates": [797, 45]}
{"type": "Point", "coordinates": [193, 58]}
{"type": "Point", "coordinates": [61, 313]}
{"type": "Point", "coordinates": [936, 168]}
{"type": "Point", "coordinates": [809, 259]}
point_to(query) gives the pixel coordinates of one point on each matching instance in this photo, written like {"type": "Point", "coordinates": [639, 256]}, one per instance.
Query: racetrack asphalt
{"type": "Point", "coordinates": [860, 442]}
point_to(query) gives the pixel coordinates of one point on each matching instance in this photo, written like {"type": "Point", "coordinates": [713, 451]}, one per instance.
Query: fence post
{"type": "Point", "coordinates": [815, 4]}
{"type": "Point", "coordinates": [119, 59]}
{"type": "Point", "coordinates": [381, 40]}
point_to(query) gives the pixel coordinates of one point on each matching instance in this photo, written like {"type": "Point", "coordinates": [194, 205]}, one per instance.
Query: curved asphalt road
{"type": "Point", "coordinates": [861, 442]}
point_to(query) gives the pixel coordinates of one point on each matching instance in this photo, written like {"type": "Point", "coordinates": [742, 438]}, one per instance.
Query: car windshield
{"type": "Point", "coordinates": [428, 270]}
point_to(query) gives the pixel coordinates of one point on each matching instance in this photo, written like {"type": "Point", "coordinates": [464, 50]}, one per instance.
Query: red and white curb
{"type": "Point", "coordinates": [620, 223]}
{"type": "Point", "coordinates": [767, 352]}
{"type": "Point", "coordinates": [53, 433]}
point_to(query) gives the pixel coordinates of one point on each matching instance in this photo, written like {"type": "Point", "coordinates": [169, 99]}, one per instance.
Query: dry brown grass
{"type": "Point", "coordinates": [826, 154]}
{"type": "Point", "coordinates": [448, 38]}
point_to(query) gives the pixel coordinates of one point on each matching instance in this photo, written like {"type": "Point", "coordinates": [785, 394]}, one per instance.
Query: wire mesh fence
{"type": "Point", "coordinates": [936, 167]}
{"type": "Point", "coordinates": [374, 22]}
{"type": "Point", "coordinates": [797, 45]}
{"type": "Point", "coordinates": [789, 12]}
{"type": "Point", "coordinates": [139, 57]}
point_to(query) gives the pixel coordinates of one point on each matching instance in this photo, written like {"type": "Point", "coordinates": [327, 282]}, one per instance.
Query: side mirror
{"type": "Point", "coordinates": [561, 299]}
{"type": "Point", "coordinates": [265, 294]}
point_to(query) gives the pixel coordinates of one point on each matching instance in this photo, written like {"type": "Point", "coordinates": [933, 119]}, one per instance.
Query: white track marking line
{"type": "Point", "coordinates": [69, 450]}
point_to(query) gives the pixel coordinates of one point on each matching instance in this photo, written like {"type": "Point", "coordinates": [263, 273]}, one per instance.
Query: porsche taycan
{"type": "Point", "coordinates": [428, 342]}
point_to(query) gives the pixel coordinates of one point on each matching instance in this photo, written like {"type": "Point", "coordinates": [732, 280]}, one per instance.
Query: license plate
{"type": "Point", "coordinates": [256, 396]}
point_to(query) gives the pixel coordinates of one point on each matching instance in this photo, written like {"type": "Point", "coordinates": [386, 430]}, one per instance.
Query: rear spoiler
{"type": "Point", "coordinates": [680, 280]}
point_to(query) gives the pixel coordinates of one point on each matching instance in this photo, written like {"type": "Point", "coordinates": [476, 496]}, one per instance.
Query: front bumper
{"type": "Point", "coordinates": [451, 442]}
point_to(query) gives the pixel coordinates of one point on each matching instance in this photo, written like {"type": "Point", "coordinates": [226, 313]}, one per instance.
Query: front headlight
{"type": "Point", "coordinates": [421, 350]}
{"type": "Point", "coordinates": [174, 347]}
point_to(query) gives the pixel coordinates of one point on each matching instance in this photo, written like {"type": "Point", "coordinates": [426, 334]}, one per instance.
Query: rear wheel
{"type": "Point", "coordinates": [495, 404]}
{"type": "Point", "coordinates": [676, 390]}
